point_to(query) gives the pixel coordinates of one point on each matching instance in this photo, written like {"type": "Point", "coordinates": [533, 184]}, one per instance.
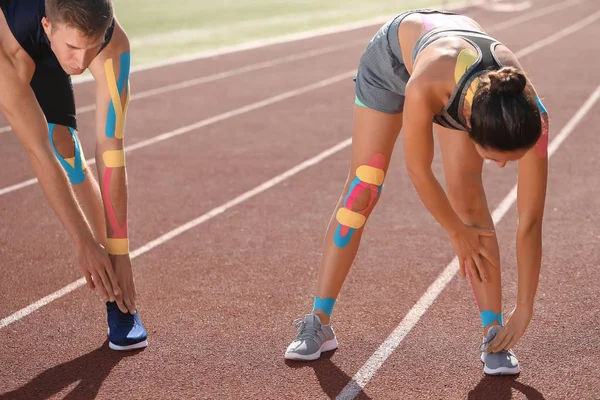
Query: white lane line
{"type": "Point", "coordinates": [535, 14]}
{"type": "Point", "coordinates": [368, 370]}
{"type": "Point", "coordinates": [500, 6]}
{"type": "Point", "coordinates": [558, 35]}
{"type": "Point", "coordinates": [528, 50]}
{"type": "Point", "coordinates": [208, 121]}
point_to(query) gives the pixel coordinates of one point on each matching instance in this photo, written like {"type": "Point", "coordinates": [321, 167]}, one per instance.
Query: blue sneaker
{"type": "Point", "coordinates": [125, 331]}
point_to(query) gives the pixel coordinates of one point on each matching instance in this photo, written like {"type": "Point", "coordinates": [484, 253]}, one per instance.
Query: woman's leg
{"type": "Point", "coordinates": [463, 168]}
{"type": "Point", "coordinates": [373, 140]}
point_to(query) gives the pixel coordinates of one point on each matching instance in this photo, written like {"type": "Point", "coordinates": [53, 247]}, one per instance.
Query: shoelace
{"type": "Point", "coordinates": [302, 332]}
{"type": "Point", "coordinates": [483, 346]}
{"type": "Point", "coordinates": [123, 318]}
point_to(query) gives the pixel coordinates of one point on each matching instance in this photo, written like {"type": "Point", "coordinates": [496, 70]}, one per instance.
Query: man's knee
{"type": "Point", "coordinates": [68, 151]}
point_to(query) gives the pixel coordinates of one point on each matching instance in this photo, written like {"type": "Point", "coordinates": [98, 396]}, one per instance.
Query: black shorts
{"type": "Point", "coordinates": [54, 91]}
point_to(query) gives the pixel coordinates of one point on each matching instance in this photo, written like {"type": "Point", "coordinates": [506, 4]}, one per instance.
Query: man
{"type": "Point", "coordinates": [42, 43]}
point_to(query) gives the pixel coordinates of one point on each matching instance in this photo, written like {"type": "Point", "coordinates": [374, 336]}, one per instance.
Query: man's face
{"type": "Point", "coordinates": [74, 50]}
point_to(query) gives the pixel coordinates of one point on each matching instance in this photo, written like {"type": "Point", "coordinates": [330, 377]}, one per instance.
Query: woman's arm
{"type": "Point", "coordinates": [419, 151]}
{"type": "Point", "coordinates": [531, 198]}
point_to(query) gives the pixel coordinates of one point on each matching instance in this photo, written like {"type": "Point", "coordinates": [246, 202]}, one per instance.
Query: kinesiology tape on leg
{"type": "Point", "coordinates": [325, 305]}
{"type": "Point", "coordinates": [118, 244]}
{"type": "Point", "coordinates": [489, 317]}
{"type": "Point", "coordinates": [119, 91]}
{"type": "Point", "coordinates": [74, 166]}
{"type": "Point", "coordinates": [368, 177]}
{"type": "Point", "coordinates": [117, 109]}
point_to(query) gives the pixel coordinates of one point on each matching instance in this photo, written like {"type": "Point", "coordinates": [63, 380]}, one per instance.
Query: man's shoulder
{"type": "Point", "coordinates": [29, 12]}
{"type": "Point", "coordinates": [23, 17]}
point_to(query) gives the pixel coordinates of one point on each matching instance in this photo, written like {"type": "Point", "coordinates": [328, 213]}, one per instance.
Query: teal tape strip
{"type": "Point", "coordinates": [540, 105]}
{"type": "Point", "coordinates": [488, 317]}
{"type": "Point", "coordinates": [111, 117]}
{"type": "Point", "coordinates": [76, 173]}
{"type": "Point", "coordinates": [326, 305]}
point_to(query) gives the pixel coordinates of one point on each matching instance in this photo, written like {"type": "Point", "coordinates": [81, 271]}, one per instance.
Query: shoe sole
{"type": "Point", "coordinates": [500, 371]}
{"type": "Point", "coordinates": [327, 346]}
{"type": "Point", "coordinates": [135, 346]}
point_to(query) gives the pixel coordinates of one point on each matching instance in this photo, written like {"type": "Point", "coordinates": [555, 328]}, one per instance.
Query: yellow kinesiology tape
{"type": "Point", "coordinates": [117, 247]}
{"type": "Point", "coordinates": [71, 161]}
{"type": "Point", "coordinates": [350, 218]}
{"type": "Point", "coordinates": [114, 158]}
{"type": "Point", "coordinates": [465, 60]}
{"type": "Point", "coordinates": [370, 175]}
{"type": "Point", "coordinates": [115, 122]}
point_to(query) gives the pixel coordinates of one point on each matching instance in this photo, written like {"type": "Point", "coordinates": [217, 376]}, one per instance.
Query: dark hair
{"type": "Point", "coordinates": [505, 115]}
{"type": "Point", "coordinates": [91, 17]}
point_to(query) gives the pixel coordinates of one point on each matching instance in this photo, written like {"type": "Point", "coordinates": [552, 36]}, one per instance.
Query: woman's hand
{"type": "Point", "coordinates": [509, 335]}
{"type": "Point", "coordinates": [470, 251]}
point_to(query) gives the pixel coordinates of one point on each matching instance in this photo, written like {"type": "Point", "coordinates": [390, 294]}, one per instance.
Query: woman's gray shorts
{"type": "Point", "coordinates": [382, 76]}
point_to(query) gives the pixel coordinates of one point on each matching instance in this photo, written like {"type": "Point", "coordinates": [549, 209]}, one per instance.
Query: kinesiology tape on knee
{"type": "Point", "coordinates": [368, 177]}
{"type": "Point", "coordinates": [73, 166]}
{"type": "Point", "coordinates": [489, 317]}
{"type": "Point", "coordinates": [325, 305]}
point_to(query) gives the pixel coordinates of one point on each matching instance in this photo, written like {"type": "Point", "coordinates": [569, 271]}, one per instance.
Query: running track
{"type": "Point", "coordinates": [218, 296]}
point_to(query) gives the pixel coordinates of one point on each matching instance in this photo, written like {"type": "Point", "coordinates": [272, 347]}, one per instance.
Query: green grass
{"type": "Point", "coordinates": [157, 28]}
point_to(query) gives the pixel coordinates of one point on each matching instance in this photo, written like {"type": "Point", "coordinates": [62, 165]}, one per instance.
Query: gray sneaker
{"type": "Point", "coordinates": [502, 363]}
{"type": "Point", "coordinates": [312, 338]}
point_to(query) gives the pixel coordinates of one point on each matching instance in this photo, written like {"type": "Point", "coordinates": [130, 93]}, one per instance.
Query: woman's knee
{"type": "Point", "coordinates": [469, 203]}
{"type": "Point", "coordinates": [364, 185]}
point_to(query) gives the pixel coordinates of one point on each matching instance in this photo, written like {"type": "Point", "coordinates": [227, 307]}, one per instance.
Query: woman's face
{"type": "Point", "coordinates": [500, 157]}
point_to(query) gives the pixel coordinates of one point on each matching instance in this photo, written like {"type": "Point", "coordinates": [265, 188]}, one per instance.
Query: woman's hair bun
{"type": "Point", "coordinates": [507, 80]}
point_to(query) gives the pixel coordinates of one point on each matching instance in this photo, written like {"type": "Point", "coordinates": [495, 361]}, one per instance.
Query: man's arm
{"type": "Point", "coordinates": [111, 72]}
{"type": "Point", "coordinates": [21, 109]}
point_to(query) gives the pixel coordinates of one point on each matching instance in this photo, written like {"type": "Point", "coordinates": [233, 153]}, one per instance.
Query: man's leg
{"type": "Point", "coordinates": [126, 331]}
{"type": "Point", "coordinates": [83, 181]}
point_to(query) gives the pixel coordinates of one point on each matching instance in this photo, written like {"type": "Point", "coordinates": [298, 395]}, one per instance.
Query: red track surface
{"type": "Point", "coordinates": [218, 299]}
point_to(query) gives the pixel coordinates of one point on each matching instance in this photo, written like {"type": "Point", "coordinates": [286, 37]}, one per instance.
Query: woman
{"type": "Point", "coordinates": [424, 66]}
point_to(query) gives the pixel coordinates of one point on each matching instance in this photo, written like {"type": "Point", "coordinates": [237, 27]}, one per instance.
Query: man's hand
{"type": "Point", "coordinates": [97, 270]}
{"type": "Point", "coordinates": [124, 273]}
